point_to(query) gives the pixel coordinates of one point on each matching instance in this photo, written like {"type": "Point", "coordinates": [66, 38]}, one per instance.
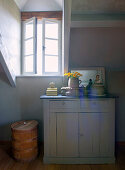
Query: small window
{"type": "Point", "coordinates": [41, 47]}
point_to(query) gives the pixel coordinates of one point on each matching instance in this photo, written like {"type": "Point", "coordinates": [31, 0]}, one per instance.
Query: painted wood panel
{"type": "Point", "coordinates": [106, 135]}
{"type": "Point", "coordinates": [89, 134]}
{"type": "Point", "coordinates": [77, 136]}
{"type": "Point", "coordinates": [67, 134]}
{"type": "Point", "coordinates": [52, 134]}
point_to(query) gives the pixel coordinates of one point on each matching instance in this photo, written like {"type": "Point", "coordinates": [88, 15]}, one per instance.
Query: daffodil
{"type": "Point", "coordinates": [73, 75]}
{"type": "Point", "coordinates": [69, 74]}
{"type": "Point", "coordinates": [65, 74]}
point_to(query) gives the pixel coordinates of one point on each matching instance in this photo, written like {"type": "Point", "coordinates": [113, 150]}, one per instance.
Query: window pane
{"type": "Point", "coordinates": [29, 47]}
{"type": "Point", "coordinates": [39, 48]}
{"type": "Point", "coordinates": [51, 30]}
{"type": "Point", "coordinates": [29, 30]}
{"type": "Point", "coordinates": [28, 63]}
{"type": "Point", "coordinates": [51, 47]}
{"type": "Point", "coordinates": [51, 63]}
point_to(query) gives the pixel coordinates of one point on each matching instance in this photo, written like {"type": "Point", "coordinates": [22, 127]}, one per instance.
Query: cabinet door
{"type": "Point", "coordinates": [96, 134]}
{"type": "Point", "coordinates": [89, 134]}
{"type": "Point", "coordinates": [67, 134]}
{"type": "Point", "coordinates": [107, 135]}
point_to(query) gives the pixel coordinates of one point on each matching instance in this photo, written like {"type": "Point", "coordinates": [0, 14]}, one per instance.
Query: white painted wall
{"type": "Point", "coordinates": [42, 5]}
{"type": "Point", "coordinates": [98, 47]}
{"type": "Point", "coordinates": [103, 47]}
{"type": "Point", "coordinates": [98, 6]}
{"type": "Point", "coordinates": [89, 47]}
{"type": "Point", "coordinates": [66, 33]}
{"type": "Point", "coordinates": [116, 85]}
{"type": "Point", "coordinates": [10, 36]}
{"type": "Point", "coordinates": [23, 102]}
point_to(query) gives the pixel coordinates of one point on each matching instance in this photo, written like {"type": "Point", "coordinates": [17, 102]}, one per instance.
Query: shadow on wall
{"type": "Point", "coordinates": [3, 76]}
{"type": "Point", "coordinates": [5, 130]}
{"type": "Point", "coordinates": [23, 102]}
{"type": "Point", "coordinates": [29, 91]}
{"type": "Point", "coordinates": [116, 85]}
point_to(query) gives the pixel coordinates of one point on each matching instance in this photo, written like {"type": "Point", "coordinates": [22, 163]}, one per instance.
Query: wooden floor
{"type": "Point", "coordinates": [8, 163]}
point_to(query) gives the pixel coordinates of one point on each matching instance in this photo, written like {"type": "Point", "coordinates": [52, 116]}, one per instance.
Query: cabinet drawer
{"type": "Point", "coordinates": [63, 104]}
{"type": "Point", "coordinates": [95, 106]}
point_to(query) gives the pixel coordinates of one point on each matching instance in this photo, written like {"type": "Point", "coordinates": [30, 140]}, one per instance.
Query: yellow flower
{"type": "Point", "coordinates": [74, 75]}
{"type": "Point", "coordinates": [69, 74]}
{"type": "Point", "coordinates": [65, 74]}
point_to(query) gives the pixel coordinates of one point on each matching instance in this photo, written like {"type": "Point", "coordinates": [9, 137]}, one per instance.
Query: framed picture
{"type": "Point", "coordinates": [90, 73]}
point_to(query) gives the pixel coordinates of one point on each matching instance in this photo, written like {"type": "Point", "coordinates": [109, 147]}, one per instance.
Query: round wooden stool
{"type": "Point", "coordinates": [24, 140]}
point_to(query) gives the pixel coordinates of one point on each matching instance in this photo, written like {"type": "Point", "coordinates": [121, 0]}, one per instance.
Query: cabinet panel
{"type": "Point", "coordinates": [52, 135]}
{"type": "Point", "coordinates": [88, 134]}
{"type": "Point", "coordinates": [67, 134]}
{"type": "Point", "coordinates": [96, 135]}
{"type": "Point", "coordinates": [107, 135]}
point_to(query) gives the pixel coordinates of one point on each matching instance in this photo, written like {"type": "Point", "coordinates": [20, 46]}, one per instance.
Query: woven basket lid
{"type": "Point", "coordinates": [24, 125]}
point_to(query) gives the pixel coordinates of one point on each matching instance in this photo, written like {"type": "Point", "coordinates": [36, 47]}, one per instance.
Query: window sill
{"type": "Point", "coordinates": [39, 76]}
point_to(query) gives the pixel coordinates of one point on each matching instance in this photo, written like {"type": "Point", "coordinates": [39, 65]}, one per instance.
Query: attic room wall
{"type": "Point", "coordinates": [10, 32]}
{"type": "Point", "coordinates": [103, 47]}
{"type": "Point", "coordinates": [23, 102]}
{"type": "Point", "coordinates": [44, 5]}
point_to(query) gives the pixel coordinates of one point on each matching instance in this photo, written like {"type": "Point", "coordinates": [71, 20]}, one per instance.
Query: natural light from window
{"type": "Point", "coordinates": [28, 47]}
{"type": "Point", "coordinates": [51, 47]}
{"type": "Point", "coordinates": [45, 54]}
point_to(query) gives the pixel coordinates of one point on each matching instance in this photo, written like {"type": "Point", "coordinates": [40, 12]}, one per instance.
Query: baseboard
{"type": "Point", "coordinates": [5, 142]}
{"type": "Point", "coordinates": [120, 143]}
{"type": "Point", "coordinates": [98, 160]}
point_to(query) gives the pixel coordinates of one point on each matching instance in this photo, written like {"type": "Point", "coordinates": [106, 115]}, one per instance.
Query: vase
{"type": "Point", "coordinates": [73, 82]}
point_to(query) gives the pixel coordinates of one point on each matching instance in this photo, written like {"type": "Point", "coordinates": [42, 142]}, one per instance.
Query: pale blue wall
{"type": "Point", "coordinates": [89, 47]}
{"type": "Point", "coordinates": [23, 102]}
{"type": "Point", "coordinates": [103, 47]}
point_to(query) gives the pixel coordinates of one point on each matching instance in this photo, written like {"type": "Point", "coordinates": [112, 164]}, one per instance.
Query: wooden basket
{"type": "Point", "coordinates": [24, 140]}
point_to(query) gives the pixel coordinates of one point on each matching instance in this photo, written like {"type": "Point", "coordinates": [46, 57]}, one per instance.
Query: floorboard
{"type": "Point", "coordinates": [8, 163]}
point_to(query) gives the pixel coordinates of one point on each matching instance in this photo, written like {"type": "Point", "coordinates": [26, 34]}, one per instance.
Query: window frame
{"type": "Point", "coordinates": [59, 73]}
{"type": "Point", "coordinates": [59, 48]}
{"type": "Point", "coordinates": [34, 20]}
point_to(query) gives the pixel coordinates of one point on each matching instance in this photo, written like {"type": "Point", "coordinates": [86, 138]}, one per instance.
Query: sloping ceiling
{"type": "Point", "coordinates": [39, 5]}
{"type": "Point", "coordinates": [100, 6]}
{"type": "Point", "coordinates": [20, 3]}
{"type": "Point", "coordinates": [10, 39]}
{"type": "Point", "coordinates": [78, 6]}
